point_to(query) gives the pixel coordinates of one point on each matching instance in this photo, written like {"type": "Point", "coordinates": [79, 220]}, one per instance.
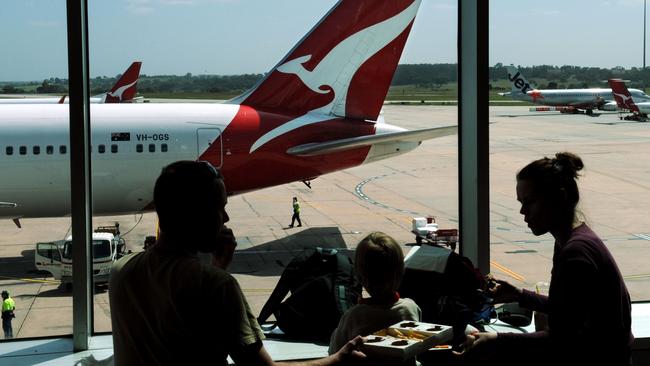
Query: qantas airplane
{"type": "Point", "coordinates": [123, 91]}
{"type": "Point", "coordinates": [574, 99]}
{"type": "Point", "coordinates": [626, 103]}
{"type": "Point", "coordinates": [314, 113]}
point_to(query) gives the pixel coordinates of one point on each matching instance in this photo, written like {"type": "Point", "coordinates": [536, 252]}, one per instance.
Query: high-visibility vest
{"type": "Point", "coordinates": [296, 207]}
{"type": "Point", "coordinates": [8, 305]}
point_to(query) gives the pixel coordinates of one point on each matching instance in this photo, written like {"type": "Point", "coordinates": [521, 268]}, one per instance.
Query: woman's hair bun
{"type": "Point", "coordinates": [568, 164]}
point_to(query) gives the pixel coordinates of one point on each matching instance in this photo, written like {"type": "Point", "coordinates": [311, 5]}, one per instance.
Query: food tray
{"type": "Point", "coordinates": [406, 339]}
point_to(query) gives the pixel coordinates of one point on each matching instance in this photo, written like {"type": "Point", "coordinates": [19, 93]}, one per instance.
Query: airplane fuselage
{"type": "Point", "coordinates": [644, 108]}
{"type": "Point", "coordinates": [53, 100]}
{"type": "Point", "coordinates": [132, 142]}
{"type": "Point", "coordinates": [595, 98]}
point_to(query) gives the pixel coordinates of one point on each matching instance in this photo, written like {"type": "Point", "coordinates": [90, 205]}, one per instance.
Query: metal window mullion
{"type": "Point", "coordinates": [77, 21]}
{"type": "Point", "coordinates": [473, 137]}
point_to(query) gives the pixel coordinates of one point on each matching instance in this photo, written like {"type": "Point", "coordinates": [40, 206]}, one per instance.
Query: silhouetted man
{"type": "Point", "coordinates": [167, 307]}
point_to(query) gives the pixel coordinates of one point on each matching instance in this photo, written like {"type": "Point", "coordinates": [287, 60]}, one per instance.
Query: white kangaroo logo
{"type": "Point", "coordinates": [337, 69]}
{"type": "Point", "coordinates": [624, 97]}
{"type": "Point", "coordinates": [119, 91]}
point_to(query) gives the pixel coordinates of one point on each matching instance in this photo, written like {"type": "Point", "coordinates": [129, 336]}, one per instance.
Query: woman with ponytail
{"type": "Point", "coordinates": [588, 305]}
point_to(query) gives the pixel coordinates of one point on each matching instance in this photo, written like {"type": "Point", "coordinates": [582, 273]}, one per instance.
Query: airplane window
{"type": "Point", "coordinates": [36, 150]}
{"type": "Point", "coordinates": [163, 147]}
{"type": "Point", "coordinates": [101, 149]}
{"type": "Point", "coordinates": [10, 150]}
{"type": "Point", "coordinates": [152, 148]}
{"type": "Point", "coordinates": [114, 148]}
{"type": "Point", "coordinates": [138, 147]}
{"type": "Point", "coordinates": [22, 150]}
{"type": "Point", "coordinates": [63, 149]}
{"type": "Point", "coordinates": [49, 149]}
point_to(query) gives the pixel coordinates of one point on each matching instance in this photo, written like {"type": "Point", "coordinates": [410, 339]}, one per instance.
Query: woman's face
{"type": "Point", "coordinates": [537, 211]}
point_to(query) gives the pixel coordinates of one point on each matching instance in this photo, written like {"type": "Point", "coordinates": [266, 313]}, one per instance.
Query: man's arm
{"type": "Point", "coordinates": [349, 352]}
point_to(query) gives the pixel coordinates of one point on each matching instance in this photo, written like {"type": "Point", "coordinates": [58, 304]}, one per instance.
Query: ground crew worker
{"type": "Point", "coordinates": [8, 307]}
{"type": "Point", "coordinates": [296, 212]}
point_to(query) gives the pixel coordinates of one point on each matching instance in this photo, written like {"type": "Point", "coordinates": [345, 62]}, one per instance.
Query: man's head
{"type": "Point", "coordinates": [190, 199]}
{"type": "Point", "coordinates": [5, 294]}
{"type": "Point", "coordinates": [295, 199]}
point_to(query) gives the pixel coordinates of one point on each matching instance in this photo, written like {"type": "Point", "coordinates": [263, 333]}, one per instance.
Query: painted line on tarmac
{"type": "Point", "coordinates": [30, 280]}
{"type": "Point", "coordinates": [358, 191]}
{"type": "Point", "coordinates": [257, 290]}
{"type": "Point", "coordinates": [637, 277]}
{"type": "Point", "coordinates": [508, 271]}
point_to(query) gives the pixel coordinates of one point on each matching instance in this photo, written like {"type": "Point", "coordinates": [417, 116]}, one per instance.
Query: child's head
{"type": "Point", "coordinates": [379, 263]}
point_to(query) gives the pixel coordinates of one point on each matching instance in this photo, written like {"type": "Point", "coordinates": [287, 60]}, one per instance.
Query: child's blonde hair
{"type": "Point", "coordinates": [379, 264]}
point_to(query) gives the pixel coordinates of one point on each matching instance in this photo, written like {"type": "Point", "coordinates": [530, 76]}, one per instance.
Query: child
{"type": "Point", "coordinates": [379, 265]}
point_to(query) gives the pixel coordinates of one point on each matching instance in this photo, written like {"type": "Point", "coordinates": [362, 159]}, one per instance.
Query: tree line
{"type": "Point", "coordinates": [424, 75]}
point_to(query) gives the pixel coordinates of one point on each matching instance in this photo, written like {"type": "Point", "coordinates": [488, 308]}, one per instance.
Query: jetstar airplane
{"type": "Point", "coordinates": [314, 113]}
{"type": "Point", "coordinates": [625, 102]}
{"type": "Point", "coordinates": [123, 91]}
{"type": "Point", "coordinates": [574, 99]}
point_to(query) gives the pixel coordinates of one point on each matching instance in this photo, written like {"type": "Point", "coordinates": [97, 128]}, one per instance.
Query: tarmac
{"type": "Point", "coordinates": [343, 207]}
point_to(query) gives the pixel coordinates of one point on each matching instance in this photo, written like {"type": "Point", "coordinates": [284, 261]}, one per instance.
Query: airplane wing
{"type": "Point", "coordinates": [319, 148]}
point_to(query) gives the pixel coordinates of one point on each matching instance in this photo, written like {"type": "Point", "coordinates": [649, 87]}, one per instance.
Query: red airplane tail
{"type": "Point", "coordinates": [343, 66]}
{"type": "Point", "coordinates": [126, 87]}
{"type": "Point", "coordinates": [622, 95]}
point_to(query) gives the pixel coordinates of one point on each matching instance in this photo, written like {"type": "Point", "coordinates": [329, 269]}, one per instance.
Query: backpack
{"type": "Point", "coordinates": [448, 289]}
{"type": "Point", "coordinates": [322, 286]}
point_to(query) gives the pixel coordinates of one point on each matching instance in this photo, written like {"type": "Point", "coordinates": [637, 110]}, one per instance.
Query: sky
{"type": "Point", "coordinates": [228, 37]}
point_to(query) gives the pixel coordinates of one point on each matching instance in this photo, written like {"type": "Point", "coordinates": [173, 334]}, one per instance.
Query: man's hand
{"type": "Point", "coordinates": [226, 244]}
{"type": "Point", "coordinates": [503, 292]}
{"type": "Point", "coordinates": [350, 351]}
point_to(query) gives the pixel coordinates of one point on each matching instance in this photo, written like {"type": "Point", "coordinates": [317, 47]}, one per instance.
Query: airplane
{"type": "Point", "coordinates": [314, 113]}
{"type": "Point", "coordinates": [574, 100]}
{"type": "Point", "coordinates": [123, 91]}
{"type": "Point", "coordinates": [626, 103]}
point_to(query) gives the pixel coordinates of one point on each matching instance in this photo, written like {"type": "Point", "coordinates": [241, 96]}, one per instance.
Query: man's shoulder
{"type": "Point", "coordinates": [406, 302]}
{"type": "Point", "coordinates": [188, 265]}
{"type": "Point", "coordinates": [119, 264]}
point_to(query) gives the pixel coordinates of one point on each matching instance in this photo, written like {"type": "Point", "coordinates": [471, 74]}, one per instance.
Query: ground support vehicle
{"type": "Point", "coordinates": [56, 257]}
{"type": "Point", "coordinates": [426, 231]}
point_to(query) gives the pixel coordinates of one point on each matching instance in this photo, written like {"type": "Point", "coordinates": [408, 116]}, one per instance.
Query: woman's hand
{"type": "Point", "coordinates": [476, 340]}
{"type": "Point", "coordinates": [504, 292]}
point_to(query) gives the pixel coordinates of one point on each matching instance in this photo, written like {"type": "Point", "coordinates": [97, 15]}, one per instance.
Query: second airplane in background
{"type": "Point", "coordinates": [123, 91]}
{"type": "Point", "coordinates": [573, 100]}
{"type": "Point", "coordinates": [625, 102]}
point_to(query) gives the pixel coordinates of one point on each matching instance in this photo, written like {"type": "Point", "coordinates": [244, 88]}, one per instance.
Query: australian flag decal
{"type": "Point", "coordinates": [120, 136]}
